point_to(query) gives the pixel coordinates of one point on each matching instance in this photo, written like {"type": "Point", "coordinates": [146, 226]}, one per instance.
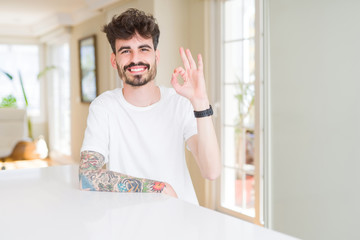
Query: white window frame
{"type": "Point", "coordinates": [260, 110]}
{"type": "Point", "coordinates": [56, 38]}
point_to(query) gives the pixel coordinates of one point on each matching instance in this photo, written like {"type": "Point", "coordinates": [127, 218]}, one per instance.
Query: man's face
{"type": "Point", "coordinates": [135, 60]}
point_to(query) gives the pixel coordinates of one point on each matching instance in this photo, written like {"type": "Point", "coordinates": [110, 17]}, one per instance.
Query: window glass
{"type": "Point", "coordinates": [21, 60]}
{"type": "Point", "coordinates": [239, 19]}
{"type": "Point", "coordinates": [238, 107]}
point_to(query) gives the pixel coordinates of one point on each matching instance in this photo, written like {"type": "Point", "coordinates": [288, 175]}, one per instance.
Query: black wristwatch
{"type": "Point", "coordinates": [204, 113]}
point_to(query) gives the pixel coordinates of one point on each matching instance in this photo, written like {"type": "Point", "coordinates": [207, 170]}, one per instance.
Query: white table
{"type": "Point", "coordinates": [46, 203]}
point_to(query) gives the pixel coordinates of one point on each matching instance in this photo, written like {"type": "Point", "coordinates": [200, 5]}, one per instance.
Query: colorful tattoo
{"type": "Point", "coordinates": [158, 186]}
{"type": "Point", "coordinates": [85, 184]}
{"type": "Point", "coordinates": [92, 177]}
{"type": "Point", "coordinates": [91, 160]}
{"type": "Point", "coordinates": [133, 185]}
{"type": "Point", "coordinates": [122, 187]}
{"type": "Point", "coordinates": [105, 188]}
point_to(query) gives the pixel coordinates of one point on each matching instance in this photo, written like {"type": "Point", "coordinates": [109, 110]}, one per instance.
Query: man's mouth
{"type": "Point", "coordinates": [137, 68]}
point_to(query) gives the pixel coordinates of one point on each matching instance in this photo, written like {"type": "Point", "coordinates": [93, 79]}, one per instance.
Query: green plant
{"type": "Point", "coordinates": [246, 101]}
{"type": "Point", "coordinates": [44, 71]}
{"type": "Point", "coordinates": [10, 100]}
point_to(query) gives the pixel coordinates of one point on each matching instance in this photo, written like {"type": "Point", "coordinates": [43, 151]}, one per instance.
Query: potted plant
{"type": "Point", "coordinates": [25, 149]}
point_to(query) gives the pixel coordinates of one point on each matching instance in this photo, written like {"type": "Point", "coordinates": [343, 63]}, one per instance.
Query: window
{"type": "Point", "coordinates": [240, 182]}
{"type": "Point", "coordinates": [23, 59]}
{"type": "Point", "coordinates": [59, 100]}
{"type": "Point", "coordinates": [49, 96]}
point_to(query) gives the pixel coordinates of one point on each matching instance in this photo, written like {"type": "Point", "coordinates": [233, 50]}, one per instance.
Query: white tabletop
{"type": "Point", "coordinates": [46, 203]}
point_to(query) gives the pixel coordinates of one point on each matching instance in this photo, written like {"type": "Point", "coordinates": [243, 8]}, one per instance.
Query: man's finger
{"type": "Point", "coordinates": [200, 63]}
{"type": "Point", "coordinates": [174, 81]}
{"type": "Point", "coordinates": [182, 72]}
{"type": "Point", "coordinates": [190, 59]}
{"type": "Point", "coordinates": [184, 58]}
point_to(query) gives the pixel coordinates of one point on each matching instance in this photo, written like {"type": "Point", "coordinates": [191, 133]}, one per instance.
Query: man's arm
{"type": "Point", "coordinates": [205, 150]}
{"type": "Point", "coordinates": [204, 145]}
{"type": "Point", "coordinates": [94, 178]}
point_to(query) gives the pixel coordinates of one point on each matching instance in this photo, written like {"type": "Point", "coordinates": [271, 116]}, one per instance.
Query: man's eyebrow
{"type": "Point", "coordinates": [141, 46]}
{"type": "Point", "coordinates": [145, 46]}
{"type": "Point", "coordinates": [124, 47]}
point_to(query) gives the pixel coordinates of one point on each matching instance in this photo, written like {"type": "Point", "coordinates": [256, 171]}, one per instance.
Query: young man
{"type": "Point", "coordinates": [140, 130]}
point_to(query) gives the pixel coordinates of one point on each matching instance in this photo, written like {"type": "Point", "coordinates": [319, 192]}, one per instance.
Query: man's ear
{"type": "Point", "coordinates": [113, 60]}
{"type": "Point", "coordinates": [157, 56]}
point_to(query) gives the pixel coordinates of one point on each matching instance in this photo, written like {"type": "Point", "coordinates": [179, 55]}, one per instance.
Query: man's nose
{"type": "Point", "coordinates": [135, 57]}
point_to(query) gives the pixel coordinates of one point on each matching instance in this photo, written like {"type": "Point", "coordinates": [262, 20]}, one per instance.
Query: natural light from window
{"type": "Point", "coordinates": [238, 104]}
{"type": "Point", "coordinates": [59, 100]}
{"type": "Point", "coordinates": [21, 60]}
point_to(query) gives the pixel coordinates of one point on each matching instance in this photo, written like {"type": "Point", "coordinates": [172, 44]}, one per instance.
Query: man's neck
{"type": "Point", "coordinates": [142, 96]}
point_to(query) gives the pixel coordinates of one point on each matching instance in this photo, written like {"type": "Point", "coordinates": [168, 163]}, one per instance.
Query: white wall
{"type": "Point", "coordinates": [315, 116]}
{"type": "Point", "coordinates": [172, 19]}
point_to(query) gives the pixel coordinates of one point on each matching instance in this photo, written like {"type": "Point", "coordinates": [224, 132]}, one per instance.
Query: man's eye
{"type": "Point", "coordinates": [125, 51]}
{"type": "Point", "coordinates": [144, 49]}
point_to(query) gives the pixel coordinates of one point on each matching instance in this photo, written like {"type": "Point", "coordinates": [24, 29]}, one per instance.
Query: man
{"type": "Point", "coordinates": [140, 130]}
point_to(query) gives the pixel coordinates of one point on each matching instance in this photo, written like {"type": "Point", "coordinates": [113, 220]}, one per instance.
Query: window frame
{"type": "Point", "coordinates": [260, 111]}
{"type": "Point", "coordinates": [62, 37]}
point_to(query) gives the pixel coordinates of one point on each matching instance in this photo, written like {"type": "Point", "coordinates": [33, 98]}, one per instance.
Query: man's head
{"type": "Point", "coordinates": [133, 37]}
{"type": "Point", "coordinates": [129, 23]}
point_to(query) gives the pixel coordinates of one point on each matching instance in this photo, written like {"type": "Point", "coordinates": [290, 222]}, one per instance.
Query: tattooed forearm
{"type": "Point", "coordinates": [91, 161]}
{"type": "Point", "coordinates": [94, 178]}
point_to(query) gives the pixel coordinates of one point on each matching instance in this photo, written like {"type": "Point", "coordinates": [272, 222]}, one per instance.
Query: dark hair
{"type": "Point", "coordinates": [130, 22]}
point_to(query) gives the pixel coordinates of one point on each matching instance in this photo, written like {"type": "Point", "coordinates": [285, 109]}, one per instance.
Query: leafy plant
{"type": "Point", "coordinates": [6, 74]}
{"type": "Point", "coordinates": [44, 71]}
{"type": "Point", "coordinates": [10, 100]}
{"type": "Point", "coordinates": [246, 101]}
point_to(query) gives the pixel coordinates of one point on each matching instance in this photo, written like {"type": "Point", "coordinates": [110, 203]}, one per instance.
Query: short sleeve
{"type": "Point", "coordinates": [96, 136]}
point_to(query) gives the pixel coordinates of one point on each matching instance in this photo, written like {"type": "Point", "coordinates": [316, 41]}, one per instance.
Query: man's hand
{"type": "Point", "coordinates": [194, 87]}
{"type": "Point", "coordinates": [168, 190]}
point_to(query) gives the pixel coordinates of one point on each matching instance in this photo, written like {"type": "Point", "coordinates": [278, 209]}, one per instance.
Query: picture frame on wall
{"type": "Point", "coordinates": [88, 71]}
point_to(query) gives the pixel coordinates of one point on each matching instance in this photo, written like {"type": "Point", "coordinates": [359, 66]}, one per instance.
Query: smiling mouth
{"type": "Point", "coordinates": [137, 69]}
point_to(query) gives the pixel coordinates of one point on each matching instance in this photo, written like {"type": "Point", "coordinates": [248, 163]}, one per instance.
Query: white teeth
{"type": "Point", "coordinates": [137, 69]}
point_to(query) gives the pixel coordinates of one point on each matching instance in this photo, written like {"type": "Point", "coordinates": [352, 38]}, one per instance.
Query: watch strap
{"type": "Point", "coordinates": [204, 113]}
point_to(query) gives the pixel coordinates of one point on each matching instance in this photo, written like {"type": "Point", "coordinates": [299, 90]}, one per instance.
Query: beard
{"type": "Point", "coordinates": [140, 79]}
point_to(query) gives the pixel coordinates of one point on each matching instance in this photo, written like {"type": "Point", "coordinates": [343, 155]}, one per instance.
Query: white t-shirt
{"type": "Point", "coordinates": [145, 142]}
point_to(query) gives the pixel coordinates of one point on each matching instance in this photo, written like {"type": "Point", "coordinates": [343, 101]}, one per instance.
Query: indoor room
{"type": "Point", "coordinates": [282, 81]}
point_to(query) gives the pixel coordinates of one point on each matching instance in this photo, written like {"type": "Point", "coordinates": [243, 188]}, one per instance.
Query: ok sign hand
{"type": "Point", "coordinates": [194, 87]}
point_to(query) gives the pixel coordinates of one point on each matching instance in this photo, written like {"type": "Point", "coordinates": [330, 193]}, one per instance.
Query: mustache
{"type": "Point", "coordinates": [136, 64]}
